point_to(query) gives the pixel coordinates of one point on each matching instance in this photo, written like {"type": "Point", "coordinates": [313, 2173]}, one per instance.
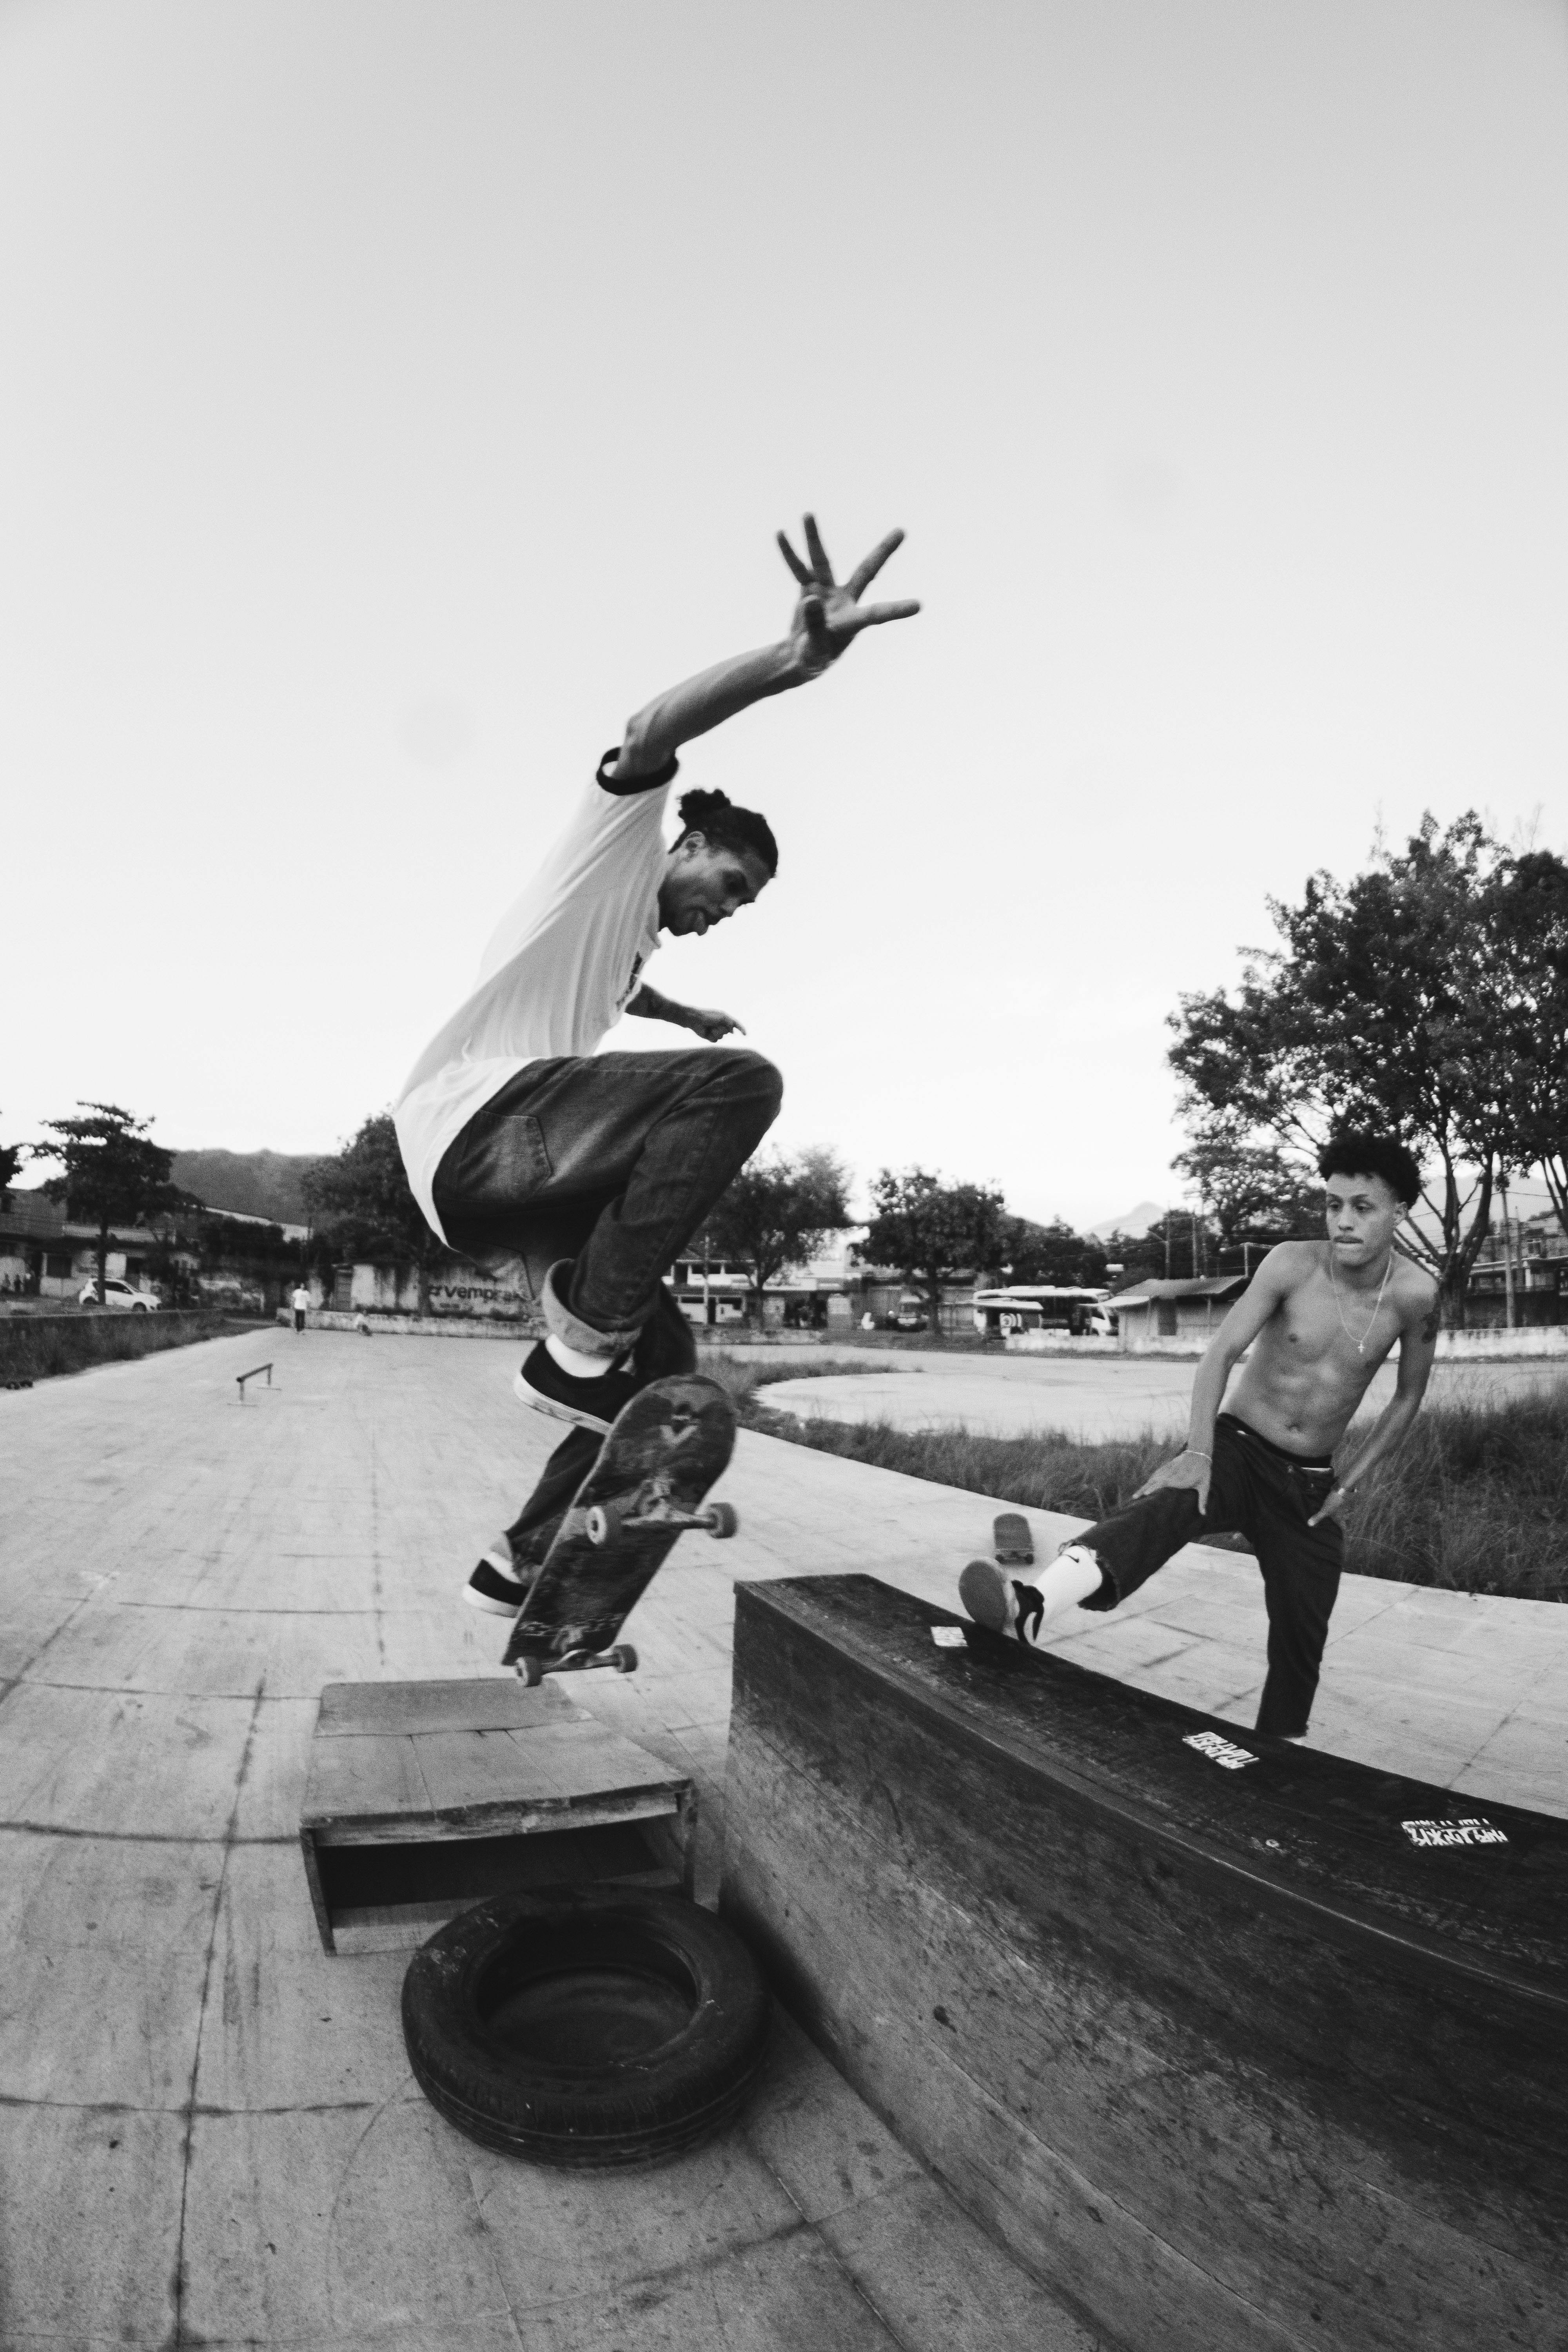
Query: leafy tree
{"type": "Point", "coordinates": [113, 1172]}
{"type": "Point", "coordinates": [1254, 1190]}
{"type": "Point", "coordinates": [778, 1211]}
{"type": "Point", "coordinates": [361, 1200]}
{"type": "Point", "coordinates": [1387, 1006]}
{"type": "Point", "coordinates": [929, 1229]}
{"type": "Point", "coordinates": [1534, 919]}
{"type": "Point", "coordinates": [1053, 1254]}
{"type": "Point", "coordinates": [10, 1160]}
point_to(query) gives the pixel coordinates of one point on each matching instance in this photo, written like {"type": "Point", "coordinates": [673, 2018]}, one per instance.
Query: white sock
{"type": "Point", "coordinates": [1070, 1578]}
{"type": "Point", "coordinates": [576, 1360]}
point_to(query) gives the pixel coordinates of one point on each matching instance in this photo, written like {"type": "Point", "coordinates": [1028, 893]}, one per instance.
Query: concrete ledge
{"type": "Point", "coordinates": [424, 1326]}
{"type": "Point", "coordinates": [1227, 2043]}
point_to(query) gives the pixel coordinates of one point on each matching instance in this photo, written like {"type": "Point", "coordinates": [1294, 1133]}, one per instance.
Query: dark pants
{"type": "Point", "coordinates": [299, 1318]}
{"type": "Point", "coordinates": [1261, 1492]}
{"type": "Point", "coordinates": [602, 1168]}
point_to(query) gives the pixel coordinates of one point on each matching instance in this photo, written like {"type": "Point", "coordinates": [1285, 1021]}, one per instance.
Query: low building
{"type": "Point", "coordinates": [1176, 1315]}
{"type": "Point", "coordinates": [47, 1254]}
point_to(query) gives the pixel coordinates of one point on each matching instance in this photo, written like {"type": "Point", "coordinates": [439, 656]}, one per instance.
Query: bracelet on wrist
{"type": "Point", "coordinates": [1201, 1454]}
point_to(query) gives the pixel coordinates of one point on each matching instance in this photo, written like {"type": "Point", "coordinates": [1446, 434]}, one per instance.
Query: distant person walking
{"type": "Point", "coordinates": [1319, 1318]}
{"type": "Point", "coordinates": [301, 1303]}
{"type": "Point", "coordinates": [584, 1174]}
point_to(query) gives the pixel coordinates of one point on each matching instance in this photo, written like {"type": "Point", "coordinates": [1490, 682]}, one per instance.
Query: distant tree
{"type": "Point", "coordinates": [112, 1173]}
{"type": "Point", "coordinates": [930, 1230]}
{"type": "Point", "coordinates": [11, 1157]}
{"type": "Point", "coordinates": [1389, 1005]}
{"type": "Point", "coordinates": [1052, 1253]}
{"type": "Point", "coordinates": [777, 1212]}
{"type": "Point", "coordinates": [359, 1200]}
{"type": "Point", "coordinates": [1534, 920]}
{"type": "Point", "coordinates": [1255, 1189]}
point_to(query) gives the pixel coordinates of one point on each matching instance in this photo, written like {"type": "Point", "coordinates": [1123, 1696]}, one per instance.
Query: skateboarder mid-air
{"type": "Point", "coordinates": [1319, 1317]}
{"type": "Point", "coordinates": [588, 1173]}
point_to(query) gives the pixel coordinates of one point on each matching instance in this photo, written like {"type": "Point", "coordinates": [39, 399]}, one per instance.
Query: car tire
{"type": "Point", "coordinates": [589, 2027]}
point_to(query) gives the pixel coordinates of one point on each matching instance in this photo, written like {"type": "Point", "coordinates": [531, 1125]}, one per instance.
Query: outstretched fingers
{"type": "Point", "coordinates": [871, 616]}
{"type": "Point", "coordinates": [817, 553]}
{"type": "Point", "coordinates": [866, 571]}
{"type": "Point", "coordinates": [792, 560]}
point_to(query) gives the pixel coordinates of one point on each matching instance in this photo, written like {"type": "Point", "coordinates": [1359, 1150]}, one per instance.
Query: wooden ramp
{"type": "Point", "coordinates": [426, 1797]}
{"type": "Point", "coordinates": [1236, 2046]}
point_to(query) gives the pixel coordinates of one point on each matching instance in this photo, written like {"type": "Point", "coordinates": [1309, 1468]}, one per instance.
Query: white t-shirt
{"type": "Point", "coordinates": [556, 973]}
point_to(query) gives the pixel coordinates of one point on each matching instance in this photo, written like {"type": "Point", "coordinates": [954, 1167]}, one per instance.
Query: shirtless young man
{"type": "Point", "coordinates": [1319, 1317]}
{"type": "Point", "coordinates": [585, 1174]}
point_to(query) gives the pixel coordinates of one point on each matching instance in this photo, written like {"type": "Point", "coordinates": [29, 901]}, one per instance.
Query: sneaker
{"type": "Point", "coordinates": [591, 1404]}
{"type": "Point", "coordinates": [1001, 1603]}
{"type": "Point", "coordinates": [494, 1589]}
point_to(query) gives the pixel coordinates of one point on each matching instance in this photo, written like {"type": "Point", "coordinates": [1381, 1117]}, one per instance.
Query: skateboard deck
{"type": "Point", "coordinates": [646, 1488]}
{"type": "Point", "coordinates": [1011, 1542]}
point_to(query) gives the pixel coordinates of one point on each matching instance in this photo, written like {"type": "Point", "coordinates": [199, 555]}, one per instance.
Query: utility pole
{"type": "Point", "coordinates": [1507, 1252]}
{"type": "Point", "coordinates": [707, 1308]}
{"type": "Point", "coordinates": [1167, 1245]}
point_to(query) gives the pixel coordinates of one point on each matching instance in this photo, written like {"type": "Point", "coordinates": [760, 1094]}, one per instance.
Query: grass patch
{"type": "Point", "coordinates": [1476, 1501]}
{"type": "Point", "coordinates": [39, 1347]}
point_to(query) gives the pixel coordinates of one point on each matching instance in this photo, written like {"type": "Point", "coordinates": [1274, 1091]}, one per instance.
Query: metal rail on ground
{"type": "Point", "coordinates": [254, 1372]}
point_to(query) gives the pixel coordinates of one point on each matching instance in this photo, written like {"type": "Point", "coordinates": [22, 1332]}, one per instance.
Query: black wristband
{"type": "Point", "coordinates": [624, 788]}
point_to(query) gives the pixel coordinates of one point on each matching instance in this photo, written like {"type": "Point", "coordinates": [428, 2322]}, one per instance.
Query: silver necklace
{"type": "Point", "coordinates": [1359, 1345]}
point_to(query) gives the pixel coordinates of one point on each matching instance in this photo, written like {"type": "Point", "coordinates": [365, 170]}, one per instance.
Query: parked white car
{"type": "Point", "coordinates": [118, 1294]}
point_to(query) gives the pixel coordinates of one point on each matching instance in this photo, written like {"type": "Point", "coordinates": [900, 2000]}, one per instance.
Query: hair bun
{"type": "Point", "coordinates": [699, 809]}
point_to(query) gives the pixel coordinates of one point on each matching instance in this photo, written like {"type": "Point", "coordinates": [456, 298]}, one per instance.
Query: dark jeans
{"type": "Point", "coordinates": [1261, 1492]}
{"type": "Point", "coordinates": [602, 1168]}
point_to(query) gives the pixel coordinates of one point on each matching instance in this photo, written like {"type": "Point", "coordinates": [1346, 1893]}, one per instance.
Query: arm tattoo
{"type": "Point", "coordinates": [1429, 1329]}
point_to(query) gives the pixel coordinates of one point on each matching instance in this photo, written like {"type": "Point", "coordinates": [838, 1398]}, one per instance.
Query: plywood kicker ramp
{"type": "Point", "coordinates": [1239, 2047]}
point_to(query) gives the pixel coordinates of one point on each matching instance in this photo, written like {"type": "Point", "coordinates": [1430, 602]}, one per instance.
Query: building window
{"type": "Point", "coordinates": [57, 1266]}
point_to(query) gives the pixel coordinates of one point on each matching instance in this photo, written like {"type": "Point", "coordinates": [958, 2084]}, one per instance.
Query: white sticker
{"type": "Point", "coordinates": [1218, 1751]}
{"type": "Point", "coordinates": [1474, 1831]}
{"type": "Point", "coordinates": [950, 1637]}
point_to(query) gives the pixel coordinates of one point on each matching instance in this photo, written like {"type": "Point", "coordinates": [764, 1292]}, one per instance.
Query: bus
{"type": "Point", "coordinates": [1042, 1306]}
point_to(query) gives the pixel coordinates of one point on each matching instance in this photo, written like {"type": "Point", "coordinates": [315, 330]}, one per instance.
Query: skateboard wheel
{"type": "Point", "coordinates": [601, 1522]}
{"type": "Point", "coordinates": [721, 1519]}
{"type": "Point", "coordinates": [531, 1671]}
{"type": "Point", "coordinates": [623, 1658]}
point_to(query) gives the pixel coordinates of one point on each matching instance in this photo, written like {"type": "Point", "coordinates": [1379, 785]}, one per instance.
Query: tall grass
{"type": "Point", "coordinates": [1476, 1500]}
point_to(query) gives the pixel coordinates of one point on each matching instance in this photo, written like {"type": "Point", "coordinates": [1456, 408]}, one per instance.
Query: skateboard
{"type": "Point", "coordinates": [645, 1489]}
{"type": "Point", "coordinates": [1011, 1542]}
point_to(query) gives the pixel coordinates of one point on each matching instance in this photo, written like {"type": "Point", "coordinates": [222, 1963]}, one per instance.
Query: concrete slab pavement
{"type": "Point", "coordinates": [210, 2133]}
{"type": "Point", "coordinates": [208, 2130]}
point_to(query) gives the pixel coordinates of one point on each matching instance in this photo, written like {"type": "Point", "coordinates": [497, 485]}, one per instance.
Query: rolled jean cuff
{"type": "Point", "coordinates": [560, 1322]}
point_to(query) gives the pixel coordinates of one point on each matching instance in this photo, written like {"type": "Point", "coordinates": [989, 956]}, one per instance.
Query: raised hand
{"type": "Point", "coordinates": [828, 615]}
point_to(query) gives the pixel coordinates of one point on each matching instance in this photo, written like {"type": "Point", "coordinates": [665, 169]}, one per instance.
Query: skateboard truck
{"type": "Point", "coordinates": [655, 1507]}
{"type": "Point", "coordinates": [532, 1668]}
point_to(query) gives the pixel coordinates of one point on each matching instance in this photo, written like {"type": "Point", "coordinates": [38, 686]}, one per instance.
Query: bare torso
{"type": "Point", "coordinates": [1306, 1373]}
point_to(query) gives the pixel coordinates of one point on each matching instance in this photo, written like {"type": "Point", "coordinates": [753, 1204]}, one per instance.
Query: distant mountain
{"type": "Point", "coordinates": [1134, 1223]}
{"type": "Point", "coordinates": [250, 1183]}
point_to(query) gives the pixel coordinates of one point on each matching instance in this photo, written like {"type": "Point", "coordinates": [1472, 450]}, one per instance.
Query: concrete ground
{"type": "Point", "coordinates": [1090, 1397]}
{"type": "Point", "coordinates": [208, 2131]}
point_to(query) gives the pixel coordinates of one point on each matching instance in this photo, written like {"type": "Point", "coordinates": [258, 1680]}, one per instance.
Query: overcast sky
{"type": "Point", "coordinates": [397, 395]}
